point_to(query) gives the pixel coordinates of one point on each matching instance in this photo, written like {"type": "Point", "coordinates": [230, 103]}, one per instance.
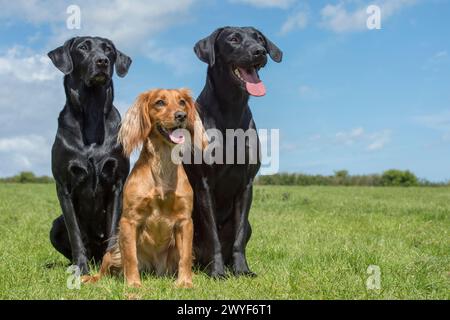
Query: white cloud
{"type": "Point", "coordinates": [351, 137]}
{"type": "Point", "coordinates": [437, 61]}
{"type": "Point", "coordinates": [31, 90]}
{"type": "Point", "coordinates": [128, 23]}
{"type": "Point", "coordinates": [33, 11]}
{"type": "Point", "coordinates": [339, 18]}
{"type": "Point", "coordinates": [298, 20]}
{"type": "Point", "coordinates": [179, 59]}
{"type": "Point", "coordinates": [31, 96]}
{"type": "Point", "coordinates": [283, 4]}
{"type": "Point", "coordinates": [439, 122]}
{"type": "Point", "coordinates": [22, 153]}
{"type": "Point", "coordinates": [379, 140]}
{"type": "Point", "coordinates": [31, 143]}
{"type": "Point", "coordinates": [440, 54]}
{"type": "Point", "coordinates": [372, 141]}
{"type": "Point", "coordinates": [27, 67]}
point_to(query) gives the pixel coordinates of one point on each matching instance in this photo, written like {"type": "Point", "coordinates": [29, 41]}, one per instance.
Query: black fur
{"type": "Point", "coordinates": [87, 161]}
{"type": "Point", "coordinates": [223, 193]}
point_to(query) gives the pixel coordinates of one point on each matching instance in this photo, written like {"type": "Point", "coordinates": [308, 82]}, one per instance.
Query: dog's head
{"type": "Point", "coordinates": [242, 52]}
{"type": "Point", "coordinates": [91, 59]}
{"type": "Point", "coordinates": [159, 114]}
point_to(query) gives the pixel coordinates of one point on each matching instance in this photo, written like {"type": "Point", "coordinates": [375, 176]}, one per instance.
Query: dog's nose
{"type": "Point", "coordinates": [102, 62]}
{"type": "Point", "coordinates": [259, 51]}
{"type": "Point", "coordinates": [180, 116]}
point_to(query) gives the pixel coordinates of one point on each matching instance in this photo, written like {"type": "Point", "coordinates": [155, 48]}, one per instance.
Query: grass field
{"type": "Point", "coordinates": [308, 243]}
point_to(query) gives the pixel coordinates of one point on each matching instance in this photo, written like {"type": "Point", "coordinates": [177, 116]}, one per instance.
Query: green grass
{"type": "Point", "coordinates": [308, 243]}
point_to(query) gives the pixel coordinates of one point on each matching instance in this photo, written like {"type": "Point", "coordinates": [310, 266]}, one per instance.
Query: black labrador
{"type": "Point", "coordinates": [87, 161]}
{"type": "Point", "coordinates": [223, 192]}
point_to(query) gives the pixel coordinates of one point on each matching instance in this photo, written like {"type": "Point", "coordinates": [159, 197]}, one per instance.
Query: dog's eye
{"type": "Point", "coordinates": [107, 49]}
{"type": "Point", "coordinates": [183, 103]}
{"type": "Point", "coordinates": [160, 103]}
{"type": "Point", "coordinates": [261, 39]}
{"type": "Point", "coordinates": [234, 40]}
{"type": "Point", "coordinates": [83, 47]}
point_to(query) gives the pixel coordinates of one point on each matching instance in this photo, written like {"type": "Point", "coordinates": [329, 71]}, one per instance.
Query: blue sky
{"type": "Point", "coordinates": [344, 97]}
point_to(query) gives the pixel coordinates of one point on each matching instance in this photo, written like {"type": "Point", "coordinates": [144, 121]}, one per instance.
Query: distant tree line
{"type": "Point", "coordinates": [27, 177]}
{"type": "Point", "coordinates": [389, 178]}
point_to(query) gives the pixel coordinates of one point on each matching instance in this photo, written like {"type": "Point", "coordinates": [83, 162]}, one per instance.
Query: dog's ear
{"type": "Point", "coordinates": [61, 57]}
{"type": "Point", "coordinates": [204, 49]}
{"type": "Point", "coordinates": [194, 124]}
{"type": "Point", "coordinates": [274, 52]}
{"type": "Point", "coordinates": [136, 125]}
{"type": "Point", "coordinates": [122, 64]}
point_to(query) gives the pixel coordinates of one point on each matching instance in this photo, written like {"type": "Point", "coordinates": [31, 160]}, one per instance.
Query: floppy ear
{"type": "Point", "coordinates": [136, 125]}
{"type": "Point", "coordinates": [61, 57]}
{"type": "Point", "coordinates": [194, 125]}
{"type": "Point", "coordinates": [274, 52]}
{"type": "Point", "coordinates": [204, 49]}
{"type": "Point", "coordinates": [122, 64]}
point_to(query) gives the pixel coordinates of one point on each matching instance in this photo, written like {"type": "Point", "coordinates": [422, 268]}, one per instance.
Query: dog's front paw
{"type": "Point", "coordinates": [82, 265]}
{"type": "Point", "coordinates": [134, 283]}
{"type": "Point", "coordinates": [184, 283]}
{"type": "Point", "coordinates": [244, 273]}
{"type": "Point", "coordinates": [217, 274]}
{"type": "Point", "coordinates": [240, 267]}
{"type": "Point", "coordinates": [90, 279]}
{"type": "Point", "coordinates": [217, 269]}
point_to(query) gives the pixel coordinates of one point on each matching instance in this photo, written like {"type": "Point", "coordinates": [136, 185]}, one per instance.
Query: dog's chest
{"type": "Point", "coordinates": [159, 223]}
{"type": "Point", "coordinates": [156, 242]}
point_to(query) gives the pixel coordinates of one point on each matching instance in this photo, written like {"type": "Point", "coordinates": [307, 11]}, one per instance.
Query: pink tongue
{"type": "Point", "coordinates": [176, 137]}
{"type": "Point", "coordinates": [253, 84]}
{"type": "Point", "coordinates": [256, 89]}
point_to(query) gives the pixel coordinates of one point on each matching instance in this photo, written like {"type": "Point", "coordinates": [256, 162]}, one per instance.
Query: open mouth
{"type": "Point", "coordinates": [250, 78]}
{"type": "Point", "coordinates": [173, 135]}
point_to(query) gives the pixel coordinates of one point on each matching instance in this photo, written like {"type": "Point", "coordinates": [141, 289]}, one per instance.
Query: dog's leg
{"type": "Point", "coordinates": [127, 239]}
{"type": "Point", "coordinates": [242, 232]}
{"type": "Point", "coordinates": [206, 207]}
{"type": "Point", "coordinates": [111, 264]}
{"type": "Point", "coordinates": [60, 238]}
{"type": "Point", "coordinates": [113, 214]}
{"type": "Point", "coordinates": [76, 243]}
{"type": "Point", "coordinates": [183, 238]}
{"type": "Point", "coordinates": [104, 270]}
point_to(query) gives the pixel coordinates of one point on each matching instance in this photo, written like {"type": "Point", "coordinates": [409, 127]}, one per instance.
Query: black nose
{"type": "Point", "coordinates": [180, 116]}
{"type": "Point", "coordinates": [102, 62]}
{"type": "Point", "coordinates": [259, 51]}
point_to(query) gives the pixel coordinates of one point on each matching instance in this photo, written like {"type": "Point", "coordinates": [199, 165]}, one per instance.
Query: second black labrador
{"type": "Point", "coordinates": [87, 161]}
{"type": "Point", "coordinates": [223, 192]}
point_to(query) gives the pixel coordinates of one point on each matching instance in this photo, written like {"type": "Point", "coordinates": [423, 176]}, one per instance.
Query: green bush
{"type": "Point", "coordinates": [27, 177]}
{"type": "Point", "coordinates": [398, 178]}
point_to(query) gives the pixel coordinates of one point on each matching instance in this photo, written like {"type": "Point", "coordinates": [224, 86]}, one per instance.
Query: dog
{"type": "Point", "coordinates": [88, 163]}
{"type": "Point", "coordinates": [223, 192]}
{"type": "Point", "coordinates": [156, 228]}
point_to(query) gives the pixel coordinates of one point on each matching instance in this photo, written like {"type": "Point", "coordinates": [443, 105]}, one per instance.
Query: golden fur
{"type": "Point", "coordinates": [156, 229]}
